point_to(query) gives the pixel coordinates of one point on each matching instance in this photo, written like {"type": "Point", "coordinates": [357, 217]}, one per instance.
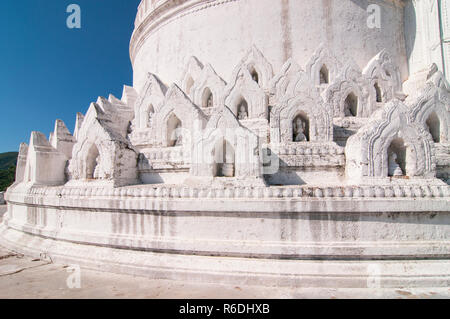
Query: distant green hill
{"type": "Point", "coordinates": [8, 159]}
{"type": "Point", "coordinates": [7, 169]}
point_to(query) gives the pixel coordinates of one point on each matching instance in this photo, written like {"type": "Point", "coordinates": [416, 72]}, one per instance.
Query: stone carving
{"type": "Point", "coordinates": [383, 78]}
{"type": "Point", "coordinates": [244, 90]}
{"type": "Point", "coordinates": [149, 101]}
{"type": "Point", "coordinates": [176, 111]}
{"type": "Point", "coordinates": [178, 135]}
{"type": "Point", "coordinates": [45, 165]}
{"type": "Point", "coordinates": [349, 87]}
{"type": "Point", "coordinates": [367, 151]}
{"type": "Point", "coordinates": [323, 67]}
{"type": "Point", "coordinates": [191, 74]}
{"type": "Point", "coordinates": [259, 68]}
{"type": "Point", "coordinates": [301, 99]}
{"type": "Point", "coordinates": [61, 139]}
{"type": "Point", "coordinates": [165, 125]}
{"type": "Point", "coordinates": [102, 150]}
{"type": "Point", "coordinates": [279, 84]}
{"type": "Point", "coordinates": [225, 148]}
{"type": "Point", "coordinates": [394, 168]}
{"type": "Point", "coordinates": [210, 101]}
{"type": "Point", "coordinates": [313, 163]}
{"type": "Point", "coordinates": [243, 114]}
{"type": "Point", "coordinates": [208, 89]}
{"type": "Point", "coordinates": [432, 101]}
{"type": "Point", "coordinates": [299, 130]}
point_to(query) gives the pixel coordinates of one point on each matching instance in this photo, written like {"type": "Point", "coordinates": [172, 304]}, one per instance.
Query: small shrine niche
{"type": "Point", "coordinates": [254, 74]}
{"type": "Point", "coordinates": [146, 116]}
{"type": "Point", "coordinates": [351, 105]}
{"type": "Point", "coordinates": [379, 95]}
{"type": "Point", "coordinates": [224, 159]}
{"type": "Point", "coordinates": [242, 109]}
{"type": "Point", "coordinates": [324, 75]}
{"type": "Point", "coordinates": [397, 158]}
{"type": "Point", "coordinates": [207, 99]}
{"type": "Point", "coordinates": [434, 127]}
{"type": "Point", "coordinates": [300, 128]}
{"type": "Point", "coordinates": [174, 131]}
{"type": "Point", "coordinates": [92, 162]}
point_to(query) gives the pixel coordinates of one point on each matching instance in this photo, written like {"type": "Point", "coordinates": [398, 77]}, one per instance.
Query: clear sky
{"type": "Point", "coordinates": [49, 72]}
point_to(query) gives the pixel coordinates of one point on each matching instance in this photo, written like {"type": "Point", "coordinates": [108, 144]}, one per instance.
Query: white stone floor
{"type": "Point", "coordinates": [22, 277]}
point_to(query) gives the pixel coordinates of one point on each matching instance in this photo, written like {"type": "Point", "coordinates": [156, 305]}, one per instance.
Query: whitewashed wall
{"type": "Point", "coordinates": [220, 32]}
{"type": "Point", "coordinates": [428, 34]}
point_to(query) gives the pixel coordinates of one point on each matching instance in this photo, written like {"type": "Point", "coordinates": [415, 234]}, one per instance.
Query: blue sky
{"type": "Point", "coordinates": [49, 72]}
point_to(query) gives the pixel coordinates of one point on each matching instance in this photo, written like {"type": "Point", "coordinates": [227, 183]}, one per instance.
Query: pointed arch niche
{"type": "Point", "coordinates": [434, 127]}
{"type": "Point", "coordinates": [301, 128]}
{"type": "Point", "coordinates": [378, 93]}
{"type": "Point", "coordinates": [369, 152]}
{"type": "Point", "coordinates": [224, 159]}
{"type": "Point", "coordinates": [396, 158]}
{"type": "Point", "coordinates": [207, 98]}
{"type": "Point", "coordinates": [351, 104]}
{"type": "Point", "coordinates": [254, 73]}
{"type": "Point", "coordinates": [91, 161]}
{"type": "Point", "coordinates": [174, 134]}
{"type": "Point", "coordinates": [241, 108]}
{"type": "Point", "coordinates": [324, 75]}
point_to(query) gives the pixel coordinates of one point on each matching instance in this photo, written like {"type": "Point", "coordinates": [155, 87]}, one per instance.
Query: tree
{"type": "Point", "coordinates": [7, 177]}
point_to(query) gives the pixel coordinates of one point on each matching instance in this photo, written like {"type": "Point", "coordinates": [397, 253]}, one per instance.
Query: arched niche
{"type": "Point", "coordinates": [397, 158]}
{"type": "Point", "coordinates": [244, 87]}
{"type": "Point", "coordinates": [174, 131]}
{"type": "Point", "coordinates": [324, 75]}
{"type": "Point", "coordinates": [176, 104]}
{"type": "Point", "coordinates": [149, 101]}
{"type": "Point", "coordinates": [191, 74]}
{"type": "Point", "coordinates": [241, 108]}
{"type": "Point", "coordinates": [378, 93]}
{"type": "Point", "coordinates": [434, 127]}
{"type": "Point", "coordinates": [301, 99]}
{"type": "Point", "coordinates": [391, 129]}
{"type": "Point", "coordinates": [430, 108]}
{"type": "Point", "coordinates": [146, 113]}
{"type": "Point", "coordinates": [254, 74]}
{"type": "Point", "coordinates": [351, 104]}
{"type": "Point", "coordinates": [224, 159]}
{"type": "Point", "coordinates": [384, 76]}
{"type": "Point", "coordinates": [92, 162]}
{"type": "Point", "coordinates": [280, 83]}
{"type": "Point", "coordinates": [300, 128]}
{"type": "Point", "coordinates": [225, 140]}
{"type": "Point", "coordinates": [207, 98]}
{"type": "Point", "coordinates": [257, 66]}
{"type": "Point", "coordinates": [323, 67]}
{"type": "Point", "coordinates": [348, 94]}
{"type": "Point", "coordinates": [208, 86]}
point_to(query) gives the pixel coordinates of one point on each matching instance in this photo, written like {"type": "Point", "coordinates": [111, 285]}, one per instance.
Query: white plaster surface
{"type": "Point", "coordinates": [301, 159]}
{"type": "Point", "coordinates": [220, 33]}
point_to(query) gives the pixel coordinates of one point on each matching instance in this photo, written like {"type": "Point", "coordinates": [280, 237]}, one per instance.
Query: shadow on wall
{"type": "Point", "coordinates": [410, 24]}
{"type": "Point", "coordinates": [284, 176]}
